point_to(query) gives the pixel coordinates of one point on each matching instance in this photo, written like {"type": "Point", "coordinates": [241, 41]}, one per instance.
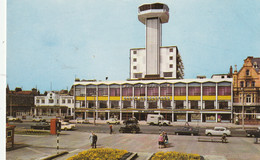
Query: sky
{"type": "Point", "coordinates": [52, 42]}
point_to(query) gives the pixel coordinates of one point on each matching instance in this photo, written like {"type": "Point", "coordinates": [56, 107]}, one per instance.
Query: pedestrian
{"type": "Point", "coordinates": [165, 139]}
{"type": "Point", "coordinates": [111, 129]}
{"type": "Point", "coordinates": [91, 139]}
{"type": "Point", "coordinates": [94, 141]}
{"type": "Point", "coordinates": [160, 141]}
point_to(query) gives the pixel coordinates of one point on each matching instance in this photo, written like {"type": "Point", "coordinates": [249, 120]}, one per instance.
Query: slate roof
{"type": "Point", "coordinates": [257, 61]}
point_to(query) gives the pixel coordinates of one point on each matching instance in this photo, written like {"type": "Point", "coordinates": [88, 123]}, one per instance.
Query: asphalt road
{"type": "Point", "coordinates": [145, 129]}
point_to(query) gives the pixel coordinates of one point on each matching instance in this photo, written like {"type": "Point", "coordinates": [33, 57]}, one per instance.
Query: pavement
{"type": "Point", "coordinates": [34, 147]}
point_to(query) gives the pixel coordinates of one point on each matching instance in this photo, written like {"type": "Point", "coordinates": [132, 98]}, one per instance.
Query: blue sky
{"type": "Point", "coordinates": [50, 42]}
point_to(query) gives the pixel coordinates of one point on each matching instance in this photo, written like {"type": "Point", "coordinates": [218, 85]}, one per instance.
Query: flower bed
{"type": "Point", "coordinates": [99, 154]}
{"type": "Point", "coordinates": [175, 156]}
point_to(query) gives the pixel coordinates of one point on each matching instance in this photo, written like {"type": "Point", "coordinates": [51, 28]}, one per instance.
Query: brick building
{"type": "Point", "coordinates": [246, 87]}
{"type": "Point", "coordinates": [19, 102]}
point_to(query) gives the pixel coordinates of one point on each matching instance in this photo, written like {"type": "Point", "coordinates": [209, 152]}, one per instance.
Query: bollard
{"type": "Point", "coordinates": [58, 142]}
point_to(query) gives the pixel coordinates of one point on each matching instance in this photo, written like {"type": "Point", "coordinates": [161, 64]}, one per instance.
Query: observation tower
{"type": "Point", "coordinates": [153, 15]}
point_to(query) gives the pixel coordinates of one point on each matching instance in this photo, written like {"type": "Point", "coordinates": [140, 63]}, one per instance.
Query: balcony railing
{"type": "Point", "coordinates": [246, 104]}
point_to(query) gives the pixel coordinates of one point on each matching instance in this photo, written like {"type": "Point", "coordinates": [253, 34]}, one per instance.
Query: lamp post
{"type": "Point", "coordinates": [243, 125]}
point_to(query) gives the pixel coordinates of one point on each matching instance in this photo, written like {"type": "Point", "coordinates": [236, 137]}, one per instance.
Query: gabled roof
{"type": "Point", "coordinates": [257, 62]}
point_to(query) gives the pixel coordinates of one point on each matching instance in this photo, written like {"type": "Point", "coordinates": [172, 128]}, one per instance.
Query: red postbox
{"type": "Point", "coordinates": [55, 126]}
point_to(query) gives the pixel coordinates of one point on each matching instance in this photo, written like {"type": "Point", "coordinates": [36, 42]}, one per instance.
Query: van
{"type": "Point", "coordinates": [155, 119]}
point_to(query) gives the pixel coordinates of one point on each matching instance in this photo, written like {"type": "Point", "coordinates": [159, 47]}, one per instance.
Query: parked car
{"type": "Point", "coordinates": [79, 120]}
{"type": "Point", "coordinates": [113, 121]}
{"type": "Point", "coordinates": [253, 133]}
{"type": "Point", "coordinates": [67, 126]}
{"type": "Point", "coordinates": [13, 119]}
{"type": "Point", "coordinates": [38, 119]}
{"type": "Point", "coordinates": [41, 125]}
{"type": "Point", "coordinates": [131, 126]}
{"type": "Point", "coordinates": [218, 131]}
{"type": "Point", "coordinates": [187, 130]}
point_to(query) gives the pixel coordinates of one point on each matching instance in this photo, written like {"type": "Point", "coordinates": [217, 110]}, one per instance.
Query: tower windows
{"type": "Point", "coordinates": [171, 49]}
{"type": "Point", "coordinates": [134, 52]}
{"type": "Point", "coordinates": [134, 67]}
{"type": "Point", "coordinates": [167, 74]}
{"type": "Point", "coordinates": [247, 72]}
{"type": "Point", "coordinates": [134, 59]}
{"type": "Point", "coordinates": [253, 84]}
{"type": "Point", "coordinates": [171, 66]}
{"type": "Point", "coordinates": [171, 57]}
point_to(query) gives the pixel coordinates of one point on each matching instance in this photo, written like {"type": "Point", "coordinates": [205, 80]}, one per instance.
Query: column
{"type": "Point", "coordinates": [201, 97]}
{"type": "Point", "coordinates": [108, 114]}
{"type": "Point", "coordinates": [159, 105]}
{"type": "Point", "coordinates": [201, 117]}
{"type": "Point", "coordinates": [216, 118]}
{"type": "Point", "coordinates": [187, 117]}
{"type": "Point", "coordinates": [172, 116]}
{"type": "Point", "coordinates": [86, 105]}
{"type": "Point", "coordinates": [108, 101]}
{"type": "Point", "coordinates": [85, 114]}
{"type": "Point", "coordinates": [217, 107]}
{"type": "Point", "coordinates": [145, 98]}
{"type": "Point", "coordinates": [173, 104]}
{"type": "Point", "coordinates": [187, 96]}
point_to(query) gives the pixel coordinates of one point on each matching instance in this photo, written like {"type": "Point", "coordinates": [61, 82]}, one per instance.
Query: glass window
{"type": "Point", "coordinates": [43, 101]}
{"type": "Point", "coordinates": [179, 105]}
{"type": "Point", "coordinates": [134, 59]}
{"type": "Point", "coordinates": [114, 90]}
{"type": "Point", "coordinates": [247, 83]}
{"type": "Point", "coordinates": [180, 91]}
{"type": "Point", "coordinates": [194, 91]}
{"type": "Point", "coordinates": [153, 90]}
{"type": "Point", "coordinates": [134, 67]}
{"type": "Point", "coordinates": [224, 90]}
{"type": "Point", "coordinates": [127, 90]}
{"type": "Point", "coordinates": [166, 89]}
{"type": "Point", "coordinates": [91, 90]}
{"type": "Point", "coordinates": [63, 101]}
{"type": "Point", "coordinates": [167, 74]}
{"type": "Point", "coordinates": [241, 83]}
{"type": "Point", "coordinates": [139, 90]}
{"type": "Point", "coordinates": [248, 98]}
{"type": "Point", "coordinates": [37, 101]}
{"type": "Point", "coordinates": [135, 52]}
{"type": "Point", "coordinates": [51, 101]}
{"type": "Point", "coordinates": [138, 75]}
{"type": "Point", "coordinates": [253, 84]}
{"type": "Point", "coordinates": [247, 72]}
{"type": "Point", "coordinates": [209, 90]}
{"type": "Point", "coordinates": [102, 90]}
{"type": "Point", "coordinates": [171, 57]}
{"type": "Point", "coordinates": [171, 66]}
{"type": "Point", "coordinates": [69, 100]}
{"type": "Point", "coordinates": [171, 49]}
{"type": "Point", "coordinates": [209, 104]}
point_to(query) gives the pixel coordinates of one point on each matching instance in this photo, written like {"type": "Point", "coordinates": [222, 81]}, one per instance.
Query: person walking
{"type": "Point", "coordinates": [160, 141]}
{"type": "Point", "coordinates": [91, 139]}
{"type": "Point", "coordinates": [94, 141]}
{"type": "Point", "coordinates": [165, 139]}
{"type": "Point", "coordinates": [111, 129]}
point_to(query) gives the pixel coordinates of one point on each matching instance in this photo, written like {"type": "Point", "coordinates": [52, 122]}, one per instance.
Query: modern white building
{"type": "Point", "coordinates": [155, 61]}
{"type": "Point", "coordinates": [204, 100]}
{"type": "Point", "coordinates": [54, 104]}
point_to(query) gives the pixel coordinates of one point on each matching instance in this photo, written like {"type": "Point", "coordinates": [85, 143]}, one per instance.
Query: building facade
{"type": "Point", "coordinates": [54, 103]}
{"type": "Point", "coordinates": [19, 102]}
{"type": "Point", "coordinates": [171, 66]}
{"type": "Point", "coordinates": [203, 100]}
{"type": "Point", "coordinates": [246, 84]}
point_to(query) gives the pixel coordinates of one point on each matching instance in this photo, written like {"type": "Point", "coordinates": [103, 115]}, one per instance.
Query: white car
{"type": "Point", "coordinates": [67, 126]}
{"type": "Point", "coordinates": [218, 131]}
{"type": "Point", "coordinates": [113, 121]}
{"type": "Point", "coordinates": [38, 119]}
{"type": "Point", "coordinates": [11, 118]}
{"type": "Point", "coordinates": [79, 120]}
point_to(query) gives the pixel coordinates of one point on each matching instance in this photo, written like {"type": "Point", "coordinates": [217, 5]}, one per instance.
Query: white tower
{"type": "Point", "coordinates": [153, 15]}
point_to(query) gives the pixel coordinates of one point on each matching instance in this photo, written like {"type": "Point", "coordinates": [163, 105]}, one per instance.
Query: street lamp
{"type": "Point", "coordinates": [243, 125]}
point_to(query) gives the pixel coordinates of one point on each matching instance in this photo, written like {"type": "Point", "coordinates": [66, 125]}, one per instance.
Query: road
{"type": "Point", "coordinates": [145, 129]}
